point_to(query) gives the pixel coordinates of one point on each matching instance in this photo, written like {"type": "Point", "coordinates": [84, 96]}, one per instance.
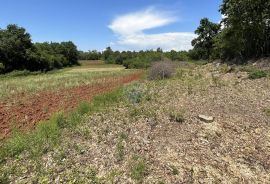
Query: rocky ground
{"type": "Point", "coordinates": [154, 135]}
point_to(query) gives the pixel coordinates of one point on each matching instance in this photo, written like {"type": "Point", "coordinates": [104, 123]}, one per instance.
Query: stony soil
{"type": "Point", "coordinates": [162, 140]}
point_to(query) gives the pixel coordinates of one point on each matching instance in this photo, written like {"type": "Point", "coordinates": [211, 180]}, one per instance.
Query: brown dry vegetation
{"type": "Point", "coordinates": [138, 141]}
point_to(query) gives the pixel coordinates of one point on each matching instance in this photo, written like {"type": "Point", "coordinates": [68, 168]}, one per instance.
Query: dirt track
{"type": "Point", "coordinates": [27, 110]}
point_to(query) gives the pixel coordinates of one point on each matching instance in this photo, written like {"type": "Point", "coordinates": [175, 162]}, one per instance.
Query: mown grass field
{"type": "Point", "coordinates": [149, 132]}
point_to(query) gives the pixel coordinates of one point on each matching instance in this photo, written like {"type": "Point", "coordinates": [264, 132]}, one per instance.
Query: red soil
{"type": "Point", "coordinates": [33, 108]}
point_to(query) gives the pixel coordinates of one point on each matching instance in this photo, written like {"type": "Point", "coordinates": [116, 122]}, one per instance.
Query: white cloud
{"type": "Point", "coordinates": [129, 31]}
{"type": "Point", "coordinates": [167, 41]}
{"type": "Point", "coordinates": [137, 22]}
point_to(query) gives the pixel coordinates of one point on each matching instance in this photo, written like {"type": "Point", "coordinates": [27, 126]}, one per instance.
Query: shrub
{"type": "Point", "coordinates": [135, 94]}
{"type": "Point", "coordinates": [161, 70]}
{"type": "Point", "coordinates": [257, 74]}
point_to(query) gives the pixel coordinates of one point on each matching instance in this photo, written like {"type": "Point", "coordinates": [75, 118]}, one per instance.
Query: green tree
{"type": "Point", "coordinates": [14, 45]}
{"type": "Point", "coordinates": [107, 53]}
{"type": "Point", "coordinates": [246, 32]}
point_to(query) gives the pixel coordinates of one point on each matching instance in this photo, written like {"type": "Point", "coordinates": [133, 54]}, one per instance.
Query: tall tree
{"type": "Point", "coordinates": [246, 32]}
{"type": "Point", "coordinates": [14, 44]}
{"type": "Point", "coordinates": [206, 32]}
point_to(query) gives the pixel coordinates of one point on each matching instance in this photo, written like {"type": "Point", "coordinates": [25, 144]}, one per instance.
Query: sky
{"type": "Point", "coordinates": [120, 24]}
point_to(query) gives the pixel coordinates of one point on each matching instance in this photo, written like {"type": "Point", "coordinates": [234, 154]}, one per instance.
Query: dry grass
{"type": "Point", "coordinates": [66, 78]}
{"type": "Point", "coordinates": [232, 149]}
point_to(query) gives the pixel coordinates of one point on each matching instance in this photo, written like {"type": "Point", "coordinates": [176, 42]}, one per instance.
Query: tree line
{"type": "Point", "coordinates": [243, 33]}
{"type": "Point", "coordinates": [136, 59]}
{"type": "Point", "coordinates": [18, 52]}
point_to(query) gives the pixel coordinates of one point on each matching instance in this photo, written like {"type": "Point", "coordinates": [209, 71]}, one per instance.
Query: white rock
{"type": "Point", "coordinates": [207, 119]}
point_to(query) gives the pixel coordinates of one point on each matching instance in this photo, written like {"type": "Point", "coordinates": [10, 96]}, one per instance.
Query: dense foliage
{"type": "Point", "coordinates": [17, 52]}
{"type": "Point", "coordinates": [203, 44]}
{"type": "Point", "coordinates": [142, 59]}
{"type": "Point", "coordinates": [90, 55]}
{"type": "Point", "coordinates": [244, 32]}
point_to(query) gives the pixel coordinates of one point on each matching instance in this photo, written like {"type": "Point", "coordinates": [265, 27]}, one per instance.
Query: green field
{"type": "Point", "coordinates": [90, 72]}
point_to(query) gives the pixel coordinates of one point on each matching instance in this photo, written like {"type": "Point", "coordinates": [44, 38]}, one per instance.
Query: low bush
{"type": "Point", "coordinates": [135, 94]}
{"type": "Point", "coordinates": [257, 74]}
{"type": "Point", "coordinates": [162, 70]}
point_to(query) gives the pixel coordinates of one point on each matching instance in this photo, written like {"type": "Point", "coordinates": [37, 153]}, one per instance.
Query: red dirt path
{"type": "Point", "coordinates": [31, 109]}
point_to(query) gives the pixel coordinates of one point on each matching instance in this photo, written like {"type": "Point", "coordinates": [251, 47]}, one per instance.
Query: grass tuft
{"type": "Point", "coordinates": [84, 108]}
{"type": "Point", "coordinates": [137, 169]}
{"type": "Point", "coordinates": [177, 117]}
{"type": "Point", "coordinates": [257, 74]}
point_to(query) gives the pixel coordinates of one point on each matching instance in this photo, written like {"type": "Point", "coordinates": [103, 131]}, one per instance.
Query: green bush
{"type": "Point", "coordinates": [257, 74]}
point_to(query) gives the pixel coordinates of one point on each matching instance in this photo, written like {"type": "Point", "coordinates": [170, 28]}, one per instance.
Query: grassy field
{"type": "Point", "coordinates": [88, 73]}
{"type": "Point", "coordinates": [149, 132]}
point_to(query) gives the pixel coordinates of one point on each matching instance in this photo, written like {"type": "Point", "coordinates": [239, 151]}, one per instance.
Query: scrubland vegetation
{"type": "Point", "coordinates": [198, 116]}
{"type": "Point", "coordinates": [149, 132]}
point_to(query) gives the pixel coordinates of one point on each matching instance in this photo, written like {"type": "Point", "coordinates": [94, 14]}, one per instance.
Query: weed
{"type": "Point", "coordinates": [175, 171]}
{"type": "Point", "coordinates": [120, 150]}
{"type": "Point", "coordinates": [161, 182]}
{"type": "Point", "coordinates": [74, 119]}
{"type": "Point", "coordinates": [93, 176]}
{"type": "Point", "coordinates": [135, 112]}
{"type": "Point", "coordinates": [112, 175]}
{"type": "Point", "coordinates": [15, 145]}
{"type": "Point", "coordinates": [123, 135]}
{"type": "Point", "coordinates": [177, 117]}
{"type": "Point", "coordinates": [257, 74]}
{"type": "Point", "coordinates": [84, 108]}
{"type": "Point", "coordinates": [85, 132]}
{"type": "Point", "coordinates": [189, 88]}
{"type": "Point", "coordinates": [216, 80]}
{"type": "Point", "coordinates": [137, 169]}
{"type": "Point", "coordinates": [60, 119]}
{"type": "Point", "coordinates": [120, 147]}
{"type": "Point", "coordinates": [267, 111]}
{"type": "Point", "coordinates": [225, 69]}
{"type": "Point", "coordinates": [180, 73]}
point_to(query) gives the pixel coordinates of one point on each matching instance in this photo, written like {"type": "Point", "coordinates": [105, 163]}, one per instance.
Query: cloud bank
{"type": "Point", "coordinates": [129, 29]}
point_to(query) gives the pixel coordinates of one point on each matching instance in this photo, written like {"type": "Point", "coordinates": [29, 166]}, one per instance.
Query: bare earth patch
{"type": "Point", "coordinates": [24, 111]}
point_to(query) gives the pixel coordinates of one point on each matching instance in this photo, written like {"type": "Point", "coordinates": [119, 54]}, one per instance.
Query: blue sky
{"type": "Point", "coordinates": [121, 24]}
